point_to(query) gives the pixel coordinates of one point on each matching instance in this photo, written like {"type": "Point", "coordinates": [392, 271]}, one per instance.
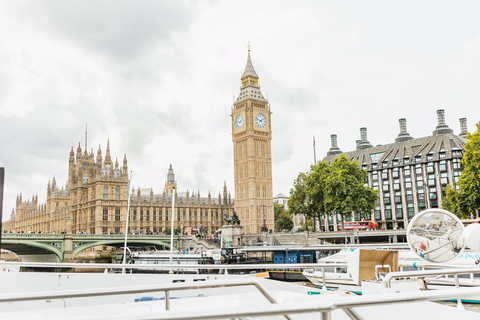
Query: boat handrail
{"type": "Point", "coordinates": [322, 306]}
{"type": "Point", "coordinates": [380, 266]}
{"type": "Point", "coordinates": [149, 266]}
{"type": "Point", "coordinates": [166, 288]}
{"type": "Point", "coordinates": [422, 273]}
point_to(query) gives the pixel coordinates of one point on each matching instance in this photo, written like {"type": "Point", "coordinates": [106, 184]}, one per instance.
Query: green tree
{"type": "Point", "coordinates": [337, 188]}
{"type": "Point", "coordinates": [346, 190]}
{"type": "Point", "coordinates": [308, 225]}
{"type": "Point", "coordinates": [284, 222]}
{"type": "Point", "coordinates": [455, 203]}
{"type": "Point", "coordinates": [308, 192]}
{"type": "Point", "coordinates": [466, 200]}
{"type": "Point", "coordinates": [278, 209]}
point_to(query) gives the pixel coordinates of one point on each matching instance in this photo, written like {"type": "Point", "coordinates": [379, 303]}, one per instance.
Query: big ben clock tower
{"type": "Point", "coordinates": [252, 135]}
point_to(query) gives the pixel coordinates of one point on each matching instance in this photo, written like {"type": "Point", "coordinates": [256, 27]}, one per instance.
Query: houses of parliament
{"type": "Point", "coordinates": [95, 197]}
{"type": "Point", "coordinates": [95, 200]}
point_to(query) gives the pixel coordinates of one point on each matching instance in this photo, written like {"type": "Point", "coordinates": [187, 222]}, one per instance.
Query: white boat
{"type": "Point", "coordinates": [341, 271]}
{"type": "Point", "coordinates": [70, 296]}
{"type": "Point", "coordinates": [158, 258]}
{"type": "Point", "coordinates": [113, 296]}
{"type": "Point", "coordinates": [437, 260]}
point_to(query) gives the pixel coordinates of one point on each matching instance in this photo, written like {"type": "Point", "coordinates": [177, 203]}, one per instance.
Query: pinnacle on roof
{"type": "Point", "coordinates": [249, 69]}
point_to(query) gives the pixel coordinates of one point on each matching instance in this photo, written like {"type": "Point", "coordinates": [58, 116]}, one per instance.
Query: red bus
{"type": "Point", "coordinates": [362, 225]}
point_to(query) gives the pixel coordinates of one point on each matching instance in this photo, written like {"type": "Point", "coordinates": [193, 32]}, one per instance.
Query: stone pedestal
{"type": "Point", "coordinates": [232, 235]}
{"type": "Point", "coordinates": [67, 248]}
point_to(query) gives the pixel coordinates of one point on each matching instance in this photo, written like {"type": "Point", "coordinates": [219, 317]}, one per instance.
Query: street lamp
{"type": "Point", "coordinates": [68, 221]}
{"type": "Point", "coordinates": [264, 228]}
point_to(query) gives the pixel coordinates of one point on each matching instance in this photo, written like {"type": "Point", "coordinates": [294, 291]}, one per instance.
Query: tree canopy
{"type": "Point", "coordinates": [278, 209]}
{"type": "Point", "coordinates": [466, 199]}
{"type": "Point", "coordinates": [284, 222]}
{"type": "Point", "coordinates": [282, 217]}
{"type": "Point", "coordinates": [336, 188]}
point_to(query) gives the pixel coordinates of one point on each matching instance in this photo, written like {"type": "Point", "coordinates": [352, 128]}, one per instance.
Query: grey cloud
{"type": "Point", "coordinates": [122, 30]}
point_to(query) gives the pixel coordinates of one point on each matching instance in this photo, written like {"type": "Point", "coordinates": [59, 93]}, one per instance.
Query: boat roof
{"type": "Point", "coordinates": [293, 247]}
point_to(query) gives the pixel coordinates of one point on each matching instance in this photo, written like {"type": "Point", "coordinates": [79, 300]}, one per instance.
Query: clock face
{"type": "Point", "coordinates": [239, 121]}
{"type": "Point", "coordinates": [260, 120]}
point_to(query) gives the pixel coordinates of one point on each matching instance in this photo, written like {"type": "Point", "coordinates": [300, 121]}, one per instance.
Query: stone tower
{"type": "Point", "coordinates": [252, 135]}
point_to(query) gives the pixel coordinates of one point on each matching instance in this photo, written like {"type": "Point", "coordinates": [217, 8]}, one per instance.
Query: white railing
{"type": "Point", "coordinates": [323, 306]}
{"type": "Point", "coordinates": [185, 266]}
{"type": "Point", "coordinates": [422, 273]}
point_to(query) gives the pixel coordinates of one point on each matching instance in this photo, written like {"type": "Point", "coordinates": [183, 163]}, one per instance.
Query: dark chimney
{"type": "Point", "coordinates": [463, 128]}
{"type": "Point", "coordinates": [363, 143]}
{"type": "Point", "coordinates": [442, 128]}
{"type": "Point", "coordinates": [334, 149]}
{"type": "Point", "coordinates": [403, 135]}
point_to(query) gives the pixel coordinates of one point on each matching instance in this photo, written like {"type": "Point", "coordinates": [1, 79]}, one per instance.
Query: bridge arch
{"type": "Point", "coordinates": [115, 243]}
{"type": "Point", "coordinates": [67, 246]}
{"type": "Point", "coordinates": [30, 247]}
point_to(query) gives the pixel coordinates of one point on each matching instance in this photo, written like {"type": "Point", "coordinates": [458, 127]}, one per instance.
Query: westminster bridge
{"type": "Point", "coordinates": [64, 247]}
{"type": "Point", "coordinates": [34, 247]}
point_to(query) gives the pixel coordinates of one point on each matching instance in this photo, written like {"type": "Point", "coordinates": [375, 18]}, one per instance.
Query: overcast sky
{"type": "Point", "coordinates": [158, 79]}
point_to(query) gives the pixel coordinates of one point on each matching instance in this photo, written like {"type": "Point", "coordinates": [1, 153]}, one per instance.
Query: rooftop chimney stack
{"type": "Point", "coordinates": [363, 143]}
{"type": "Point", "coordinates": [403, 135]}
{"type": "Point", "coordinates": [403, 125]}
{"type": "Point", "coordinates": [333, 139]}
{"type": "Point", "coordinates": [441, 117]}
{"type": "Point", "coordinates": [463, 128]}
{"type": "Point", "coordinates": [363, 134]}
{"type": "Point", "coordinates": [334, 149]}
{"type": "Point", "coordinates": [442, 128]}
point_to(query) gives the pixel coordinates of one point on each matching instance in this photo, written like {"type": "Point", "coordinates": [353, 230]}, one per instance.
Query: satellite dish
{"type": "Point", "coordinates": [435, 235]}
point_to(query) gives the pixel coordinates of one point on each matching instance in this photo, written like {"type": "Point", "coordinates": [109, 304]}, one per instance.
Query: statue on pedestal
{"type": "Point", "coordinates": [234, 220]}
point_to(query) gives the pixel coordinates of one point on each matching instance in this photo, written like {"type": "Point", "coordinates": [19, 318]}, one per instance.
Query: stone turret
{"type": "Point", "coordinates": [125, 165]}
{"type": "Point", "coordinates": [79, 152]}
{"type": "Point", "coordinates": [108, 159]}
{"type": "Point", "coordinates": [225, 194]}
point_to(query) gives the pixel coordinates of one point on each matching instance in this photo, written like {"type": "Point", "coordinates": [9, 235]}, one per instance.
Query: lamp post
{"type": "Point", "coordinates": [171, 231]}
{"type": "Point", "coordinates": [182, 227]}
{"type": "Point", "coordinates": [264, 228]}
{"type": "Point", "coordinates": [68, 221]}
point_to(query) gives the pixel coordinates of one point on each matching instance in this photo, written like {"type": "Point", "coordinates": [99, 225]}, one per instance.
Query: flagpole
{"type": "Point", "coordinates": [124, 260]}
{"type": "Point", "coordinates": [314, 163]}
{"type": "Point", "coordinates": [171, 230]}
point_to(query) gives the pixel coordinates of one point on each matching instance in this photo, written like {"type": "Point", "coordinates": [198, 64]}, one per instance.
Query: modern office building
{"type": "Point", "coordinates": [411, 174]}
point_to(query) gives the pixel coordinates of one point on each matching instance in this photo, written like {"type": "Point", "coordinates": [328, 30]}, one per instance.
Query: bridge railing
{"type": "Point", "coordinates": [32, 235]}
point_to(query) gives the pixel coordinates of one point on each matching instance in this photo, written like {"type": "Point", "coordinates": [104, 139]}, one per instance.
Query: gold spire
{"type": "Point", "coordinates": [249, 69]}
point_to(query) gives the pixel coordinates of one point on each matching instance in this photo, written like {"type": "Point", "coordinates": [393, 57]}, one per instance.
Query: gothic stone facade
{"type": "Point", "coordinates": [251, 136]}
{"type": "Point", "coordinates": [95, 201]}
